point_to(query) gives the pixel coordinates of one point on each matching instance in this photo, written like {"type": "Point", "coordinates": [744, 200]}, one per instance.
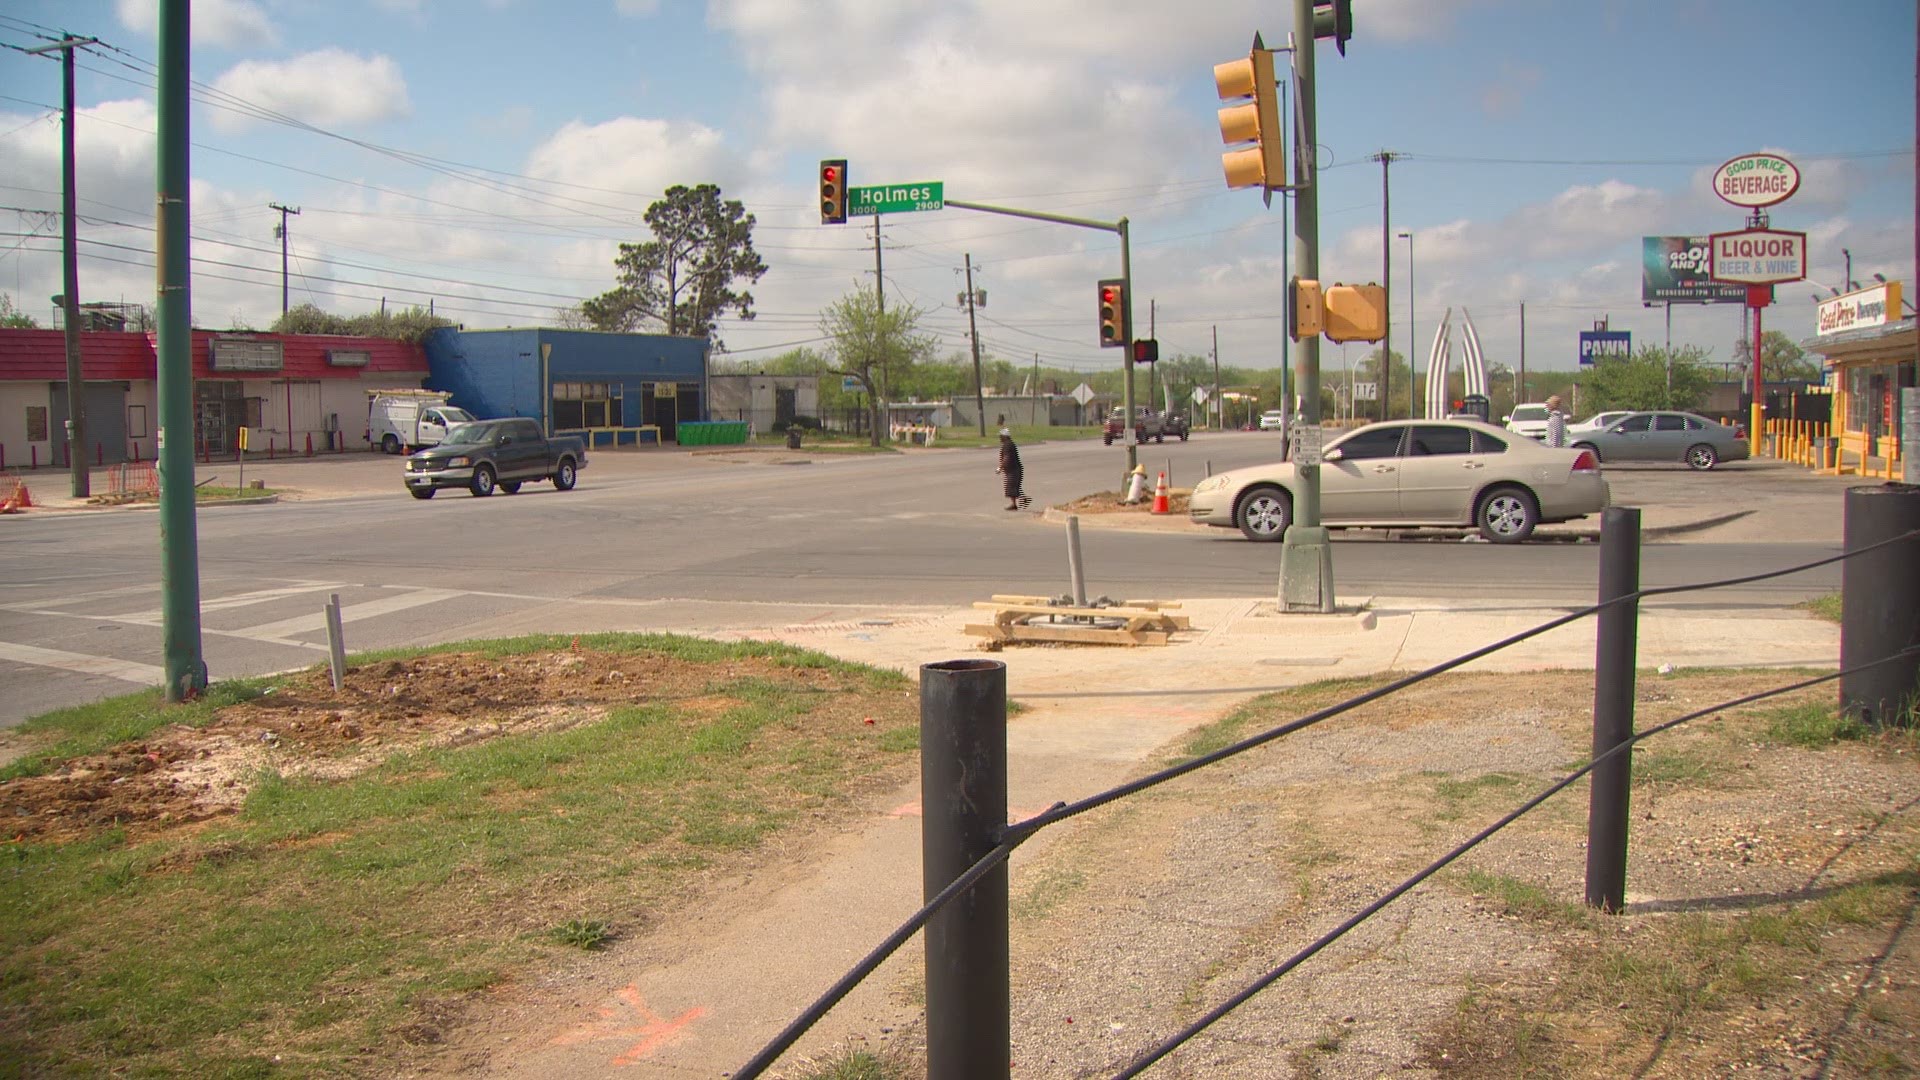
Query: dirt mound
{"type": "Point", "coordinates": [181, 775]}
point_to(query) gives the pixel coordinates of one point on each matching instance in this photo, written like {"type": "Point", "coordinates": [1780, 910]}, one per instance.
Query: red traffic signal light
{"type": "Point", "coordinates": [833, 192]}
{"type": "Point", "coordinates": [1113, 313]}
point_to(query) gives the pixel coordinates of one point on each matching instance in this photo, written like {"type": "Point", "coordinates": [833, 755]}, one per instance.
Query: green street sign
{"type": "Point", "coordinates": [896, 198]}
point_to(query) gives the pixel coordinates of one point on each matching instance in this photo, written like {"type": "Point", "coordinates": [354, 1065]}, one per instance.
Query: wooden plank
{"type": "Point", "coordinates": [1088, 635]}
{"type": "Point", "coordinates": [1012, 598]}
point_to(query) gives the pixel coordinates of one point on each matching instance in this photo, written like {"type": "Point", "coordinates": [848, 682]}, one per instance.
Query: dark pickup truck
{"type": "Point", "coordinates": [495, 453]}
{"type": "Point", "coordinates": [1147, 425]}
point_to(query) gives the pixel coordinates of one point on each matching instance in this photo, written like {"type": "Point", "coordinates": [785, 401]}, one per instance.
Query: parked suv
{"type": "Point", "coordinates": [1528, 420]}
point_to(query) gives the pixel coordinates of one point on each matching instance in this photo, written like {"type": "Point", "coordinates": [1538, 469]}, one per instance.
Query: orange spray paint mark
{"type": "Point", "coordinates": [653, 1030]}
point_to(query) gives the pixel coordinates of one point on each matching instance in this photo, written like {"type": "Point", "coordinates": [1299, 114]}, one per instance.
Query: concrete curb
{"type": "Point", "coordinates": [1133, 522]}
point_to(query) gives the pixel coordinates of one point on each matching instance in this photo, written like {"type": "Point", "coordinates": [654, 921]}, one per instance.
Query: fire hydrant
{"type": "Point", "coordinates": [1136, 485]}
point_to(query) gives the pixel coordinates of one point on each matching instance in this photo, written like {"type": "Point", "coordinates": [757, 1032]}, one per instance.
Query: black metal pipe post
{"type": "Point", "coordinates": [963, 798]}
{"type": "Point", "coordinates": [1880, 605]}
{"type": "Point", "coordinates": [1615, 652]}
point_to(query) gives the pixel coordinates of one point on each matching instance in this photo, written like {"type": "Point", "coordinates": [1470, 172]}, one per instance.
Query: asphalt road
{"type": "Point", "coordinates": [676, 541]}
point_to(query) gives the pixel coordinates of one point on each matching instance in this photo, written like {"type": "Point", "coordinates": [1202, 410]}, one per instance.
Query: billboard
{"type": "Point", "coordinates": [1674, 271]}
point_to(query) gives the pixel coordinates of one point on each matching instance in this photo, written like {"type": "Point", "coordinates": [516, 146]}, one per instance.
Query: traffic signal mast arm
{"type": "Point", "coordinates": [1126, 287]}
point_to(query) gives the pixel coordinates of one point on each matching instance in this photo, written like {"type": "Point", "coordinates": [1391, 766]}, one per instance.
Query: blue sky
{"type": "Point", "coordinates": [1543, 140]}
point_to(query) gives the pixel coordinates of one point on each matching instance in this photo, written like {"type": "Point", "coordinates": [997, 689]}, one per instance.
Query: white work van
{"type": "Point", "coordinates": [402, 421]}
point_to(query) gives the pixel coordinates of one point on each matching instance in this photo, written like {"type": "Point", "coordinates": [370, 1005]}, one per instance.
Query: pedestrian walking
{"type": "Point", "coordinates": [1011, 473]}
{"type": "Point", "coordinates": [1556, 423]}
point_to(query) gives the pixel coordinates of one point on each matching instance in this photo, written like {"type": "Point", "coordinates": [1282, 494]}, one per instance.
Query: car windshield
{"type": "Point", "coordinates": [470, 433]}
{"type": "Point", "coordinates": [457, 416]}
{"type": "Point", "coordinates": [1530, 412]}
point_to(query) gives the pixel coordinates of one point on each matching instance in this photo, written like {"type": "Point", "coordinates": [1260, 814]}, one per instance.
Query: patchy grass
{"type": "Point", "coordinates": [1048, 889]}
{"type": "Point", "coordinates": [860, 1065]}
{"type": "Point", "coordinates": [1812, 725]}
{"type": "Point", "coordinates": [333, 926]}
{"type": "Point", "coordinates": [1632, 991]}
{"type": "Point", "coordinates": [1823, 607]}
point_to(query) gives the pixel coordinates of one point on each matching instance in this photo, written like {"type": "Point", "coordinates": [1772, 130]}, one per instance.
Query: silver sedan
{"type": "Point", "coordinates": [1408, 473]}
{"type": "Point", "coordinates": [1665, 436]}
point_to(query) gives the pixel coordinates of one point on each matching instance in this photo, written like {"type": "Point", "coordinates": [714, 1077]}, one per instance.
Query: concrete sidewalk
{"type": "Point", "coordinates": [703, 997]}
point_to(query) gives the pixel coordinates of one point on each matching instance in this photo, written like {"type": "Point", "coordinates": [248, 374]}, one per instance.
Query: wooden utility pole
{"type": "Point", "coordinates": [70, 295]}
{"type": "Point", "coordinates": [281, 232]}
{"type": "Point", "coordinates": [973, 331]}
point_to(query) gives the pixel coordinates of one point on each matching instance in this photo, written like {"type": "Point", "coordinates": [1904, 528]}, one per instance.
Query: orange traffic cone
{"type": "Point", "coordinates": [22, 499]}
{"type": "Point", "coordinates": [1160, 503]}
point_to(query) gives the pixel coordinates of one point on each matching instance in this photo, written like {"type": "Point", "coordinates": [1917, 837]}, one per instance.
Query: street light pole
{"type": "Point", "coordinates": [1413, 339]}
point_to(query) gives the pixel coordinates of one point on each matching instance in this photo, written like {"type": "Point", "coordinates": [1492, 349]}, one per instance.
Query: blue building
{"type": "Point", "coordinates": [613, 388]}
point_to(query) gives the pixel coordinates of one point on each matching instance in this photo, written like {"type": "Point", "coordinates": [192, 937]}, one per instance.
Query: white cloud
{"type": "Point", "coordinates": [328, 88]}
{"type": "Point", "coordinates": [233, 24]}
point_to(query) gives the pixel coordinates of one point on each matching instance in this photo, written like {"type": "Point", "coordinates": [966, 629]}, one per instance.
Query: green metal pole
{"type": "Point", "coordinates": [186, 670]}
{"type": "Point", "coordinates": [1306, 554]}
{"type": "Point", "coordinates": [1126, 332]}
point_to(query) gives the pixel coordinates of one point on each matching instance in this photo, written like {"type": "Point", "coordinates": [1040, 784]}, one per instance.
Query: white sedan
{"type": "Point", "coordinates": [1273, 420]}
{"type": "Point", "coordinates": [1407, 473]}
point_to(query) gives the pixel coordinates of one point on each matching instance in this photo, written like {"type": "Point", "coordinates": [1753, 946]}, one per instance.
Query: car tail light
{"type": "Point", "coordinates": [1586, 462]}
{"type": "Point", "coordinates": [1739, 431]}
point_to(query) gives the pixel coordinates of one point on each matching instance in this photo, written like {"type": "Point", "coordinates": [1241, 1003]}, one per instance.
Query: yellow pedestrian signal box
{"type": "Point", "coordinates": [1304, 314]}
{"type": "Point", "coordinates": [1355, 313]}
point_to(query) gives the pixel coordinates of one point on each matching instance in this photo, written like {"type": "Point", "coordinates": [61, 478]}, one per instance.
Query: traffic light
{"type": "Point", "coordinates": [1356, 313]}
{"type": "Point", "coordinates": [1304, 314]}
{"type": "Point", "coordinates": [833, 192]}
{"type": "Point", "coordinates": [1113, 313]}
{"type": "Point", "coordinates": [1146, 351]}
{"type": "Point", "coordinates": [1334, 19]}
{"type": "Point", "coordinates": [1253, 117]}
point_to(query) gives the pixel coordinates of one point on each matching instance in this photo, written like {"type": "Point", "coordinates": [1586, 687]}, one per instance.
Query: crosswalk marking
{"type": "Point", "coordinates": [236, 600]}
{"type": "Point", "coordinates": [305, 624]}
{"type": "Point", "coordinates": [145, 674]}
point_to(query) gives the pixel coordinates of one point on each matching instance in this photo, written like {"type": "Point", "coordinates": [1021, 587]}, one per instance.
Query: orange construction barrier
{"type": "Point", "coordinates": [1161, 504]}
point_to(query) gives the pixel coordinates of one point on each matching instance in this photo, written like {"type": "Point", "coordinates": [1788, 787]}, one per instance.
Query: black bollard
{"type": "Point", "coordinates": [1880, 605]}
{"type": "Point", "coordinates": [963, 799]}
{"type": "Point", "coordinates": [1615, 650]}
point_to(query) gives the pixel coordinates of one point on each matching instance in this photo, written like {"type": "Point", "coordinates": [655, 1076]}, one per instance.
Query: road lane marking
{"type": "Point", "coordinates": [144, 674]}
{"type": "Point", "coordinates": [305, 624]}
{"type": "Point", "coordinates": [236, 600]}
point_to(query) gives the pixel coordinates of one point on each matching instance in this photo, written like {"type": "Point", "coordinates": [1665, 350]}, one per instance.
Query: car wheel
{"type": "Point", "coordinates": [1183, 436]}
{"type": "Point", "coordinates": [1702, 457]}
{"type": "Point", "coordinates": [511, 487]}
{"type": "Point", "coordinates": [483, 481]}
{"type": "Point", "coordinates": [1106, 440]}
{"type": "Point", "coordinates": [1161, 437]}
{"type": "Point", "coordinates": [1507, 515]}
{"type": "Point", "coordinates": [565, 477]}
{"type": "Point", "coordinates": [421, 493]}
{"type": "Point", "coordinates": [1264, 513]}
{"type": "Point", "coordinates": [1591, 449]}
{"type": "Point", "coordinates": [390, 443]}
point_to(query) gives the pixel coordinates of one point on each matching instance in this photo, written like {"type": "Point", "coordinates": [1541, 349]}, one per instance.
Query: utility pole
{"type": "Point", "coordinates": [1520, 387]}
{"type": "Point", "coordinates": [1386, 158]}
{"type": "Point", "coordinates": [1153, 370]}
{"type": "Point", "coordinates": [186, 671]}
{"type": "Point", "coordinates": [1219, 414]}
{"type": "Point", "coordinates": [70, 296]}
{"type": "Point", "coordinates": [879, 296]}
{"type": "Point", "coordinates": [280, 231]}
{"type": "Point", "coordinates": [973, 331]}
{"type": "Point", "coordinates": [1306, 556]}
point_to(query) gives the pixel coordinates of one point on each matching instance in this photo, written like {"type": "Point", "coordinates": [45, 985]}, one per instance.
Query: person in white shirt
{"type": "Point", "coordinates": [1556, 423]}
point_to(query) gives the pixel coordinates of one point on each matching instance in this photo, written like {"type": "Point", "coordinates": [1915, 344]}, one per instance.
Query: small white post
{"type": "Point", "coordinates": [336, 641]}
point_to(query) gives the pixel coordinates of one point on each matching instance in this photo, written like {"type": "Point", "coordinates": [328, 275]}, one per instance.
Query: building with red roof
{"type": "Point", "coordinates": [292, 390]}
